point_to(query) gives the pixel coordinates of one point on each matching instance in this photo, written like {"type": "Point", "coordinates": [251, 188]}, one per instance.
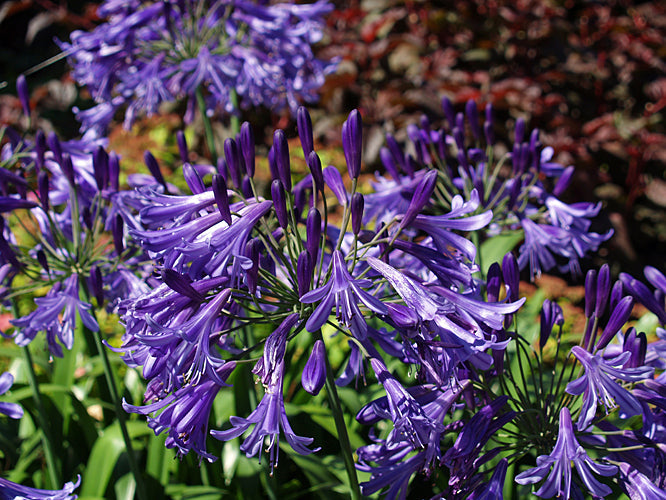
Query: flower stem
{"type": "Point", "coordinates": [208, 127]}
{"type": "Point", "coordinates": [43, 421]}
{"type": "Point", "coordinates": [338, 416]}
{"type": "Point", "coordinates": [235, 119]}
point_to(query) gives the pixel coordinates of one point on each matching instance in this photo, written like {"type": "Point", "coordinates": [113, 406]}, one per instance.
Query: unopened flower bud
{"type": "Point", "coordinates": [117, 231]}
{"type": "Point", "coordinates": [114, 171]}
{"type": "Point", "coordinates": [154, 168]}
{"type": "Point", "coordinates": [449, 112]}
{"type": "Point", "coordinates": [511, 275]}
{"type": "Point", "coordinates": [389, 163]}
{"type": "Point", "coordinates": [40, 149]}
{"type": "Point", "coordinates": [402, 316]}
{"type": "Point", "coordinates": [636, 344]}
{"type": "Point", "coordinates": [101, 167]}
{"type": "Point", "coordinates": [313, 233]}
{"type": "Point", "coordinates": [182, 147]}
{"type": "Point", "coordinates": [494, 282]}
{"type": "Point", "coordinates": [357, 204]}
{"type": "Point", "coordinates": [279, 202]}
{"type": "Point", "coordinates": [421, 197]}
{"type": "Point", "coordinates": [247, 148]}
{"type": "Point", "coordinates": [43, 187]}
{"type": "Point", "coordinates": [55, 147]}
{"type": "Point", "coordinates": [23, 94]}
{"type": "Point", "coordinates": [488, 125]}
{"type": "Point", "coordinates": [314, 164]}
{"type": "Point", "coordinates": [181, 283]}
{"type": "Point", "coordinates": [222, 197]}
{"type": "Point", "coordinates": [519, 131]}
{"type": "Point", "coordinates": [396, 152]}
{"type": "Point", "coordinates": [193, 179]}
{"type": "Point", "coordinates": [41, 258]}
{"type": "Point", "coordinates": [282, 158]}
{"type": "Point", "coordinates": [314, 372]}
{"type": "Point", "coordinates": [603, 290]}
{"type": "Point", "coordinates": [233, 161]}
{"type": "Point", "coordinates": [304, 273]}
{"type": "Point", "coordinates": [590, 292]}
{"type": "Point", "coordinates": [352, 139]}
{"type": "Point", "coordinates": [252, 274]}
{"type": "Point", "coordinates": [551, 314]}
{"type": "Point", "coordinates": [304, 124]}
{"type": "Point", "coordinates": [472, 113]}
{"type": "Point", "coordinates": [617, 292]}
{"type": "Point", "coordinates": [68, 168]}
{"type": "Point", "coordinates": [563, 182]}
{"type": "Point", "coordinates": [618, 318]}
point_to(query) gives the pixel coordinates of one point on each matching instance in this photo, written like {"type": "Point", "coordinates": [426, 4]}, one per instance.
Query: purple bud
{"type": "Point", "coordinates": [402, 316]}
{"type": "Point", "coordinates": [511, 275]}
{"type": "Point", "coordinates": [425, 125]}
{"type": "Point", "coordinates": [222, 197]}
{"type": "Point", "coordinates": [181, 284]}
{"type": "Point", "coordinates": [313, 233]}
{"type": "Point", "coordinates": [636, 344]}
{"type": "Point", "coordinates": [114, 171]}
{"type": "Point", "coordinates": [519, 132]}
{"type": "Point", "coordinates": [617, 292]}
{"type": "Point", "coordinates": [449, 112]}
{"type": "Point", "coordinates": [40, 149]}
{"type": "Point", "coordinates": [534, 149]}
{"type": "Point", "coordinates": [488, 125]}
{"type": "Point", "coordinates": [41, 258]}
{"type": "Point", "coordinates": [23, 94]}
{"type": "Point", "coordinates": [252, 274]}
{"type": "Point", "coordinates": [655, 277]}
{"type": "Point", "coordinates": [494, 282]}
{"type": "Point", "coordinates": [410, 166]}
{"type": "Point", "coordinates": [154, 168]}
{"type": "Point", "coordinates": [247, 148]}
{"type": "Point", "coordinates": [563, 182]}
{"type": "Point", "coordinates": [314, 372]}
{"type": "Point", "coordinates": [233, 161]}
{"type": "Point", "coordinates": [618, 318]}
{"type": "Point", "coordinates": [459, 138]}
{"type": "Point", "coordinates": [43, 187]}
{"type": "Point", "coordinates": [182, 147]}
{"type": "Point", "coordinates": [54, 144]}
{"type": "Point", "coordinates": [68, 168]}
{"type": "Point", "coordinates": [357, 204]}
{"type": "Point", "coordinates": [246, 187]}
{"type": "Point", "coordinates": [421, 197]}
{"type": "Point", "coordinates": [472, 113]}
{"type": "Point", "coordinates": [279, 202]}
{"type": "Point", "coordinates": [304, 273]}
{"type": "Point", "coordinates": [603, 290]}
{"type": "Point", "coordinates": [282, 158]}
{"type": "Point", "coordinates": [272, 163]}
{"type": "Point", "coordinates": [314, 164]}
{"type": "Point", "coordinates": [396, 152]}
{"type": "Point", "coordinates": [551, 314]}
{"type": "Point", "coordinates": [96, 285]}
{"type": "Point", "coordinates": [352, 139]}
{"type": "Point", "coordinates": [101, 167]}
{"type": "Point", "coordinates": [590, 292]}
{"type": "Point", "coordinates": [389, 163]}
{"type": "Point", "coordinates": [222, 168]}
{"type": "Point", "coordinates": [304, 123]}
{"type": "Point", "coordinates": [193, 179]}
{"type": "Point", "coordinates": [643, 295]}
{"type": "Point", "coordinates": [117, 231]}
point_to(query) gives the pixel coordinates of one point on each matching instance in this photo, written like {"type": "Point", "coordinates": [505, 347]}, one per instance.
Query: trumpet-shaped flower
{"type": "Point", "coordinates": [566, 451]}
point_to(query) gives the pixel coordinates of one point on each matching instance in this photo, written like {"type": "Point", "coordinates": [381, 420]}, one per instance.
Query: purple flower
{"type": "Point", "coordinates": [566, 451]}
{"type": "Point", "coordinates": [269, 416]}
{"type": "Point", "coordinates": [153, 53]}
{"type": "Point", "coordinates": [47, 317]}
{"type": "Point", "coordinates": [638, 486]}
{"type": "Point", "coordinates": [12, 491]}
{"type": "Point", "coordinates": [314, 371]}
{"type": "Point", "coordinates": [598, 382]}
{"type": "Point", "coordinates": [493, 489]}
{"type": "Point", "coordinates": [342, 292]}
{"type": "Point", "coordinates": [12, 410]}
{"type": "Point", "coordinates": [186, 412]}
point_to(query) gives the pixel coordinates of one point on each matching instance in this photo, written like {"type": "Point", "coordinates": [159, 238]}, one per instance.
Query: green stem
{"type": "Point", "coordinates": [235, 119]}
{"type": "Point", "coordinates": [343, 436]}
{"type": "Point", "coordinates": [208, 127]}
{"type": "Point", "coordinates": [43, 421]}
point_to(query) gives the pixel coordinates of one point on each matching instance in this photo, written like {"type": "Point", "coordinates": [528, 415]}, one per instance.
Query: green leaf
{"type": "Point", "coordinates": [494, 249]}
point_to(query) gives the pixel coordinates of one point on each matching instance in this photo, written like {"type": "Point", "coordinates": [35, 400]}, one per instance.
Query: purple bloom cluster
{"type": "Point", "coordinates": [520, 187]}
{"type": "Point", "coordinates": [147, 53]}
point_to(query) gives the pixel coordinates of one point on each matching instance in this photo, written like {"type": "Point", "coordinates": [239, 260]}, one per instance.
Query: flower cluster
{"type": "Point", "coordinates": [147, 53]}
{"type": "Point", "coordinates": [520, 186]}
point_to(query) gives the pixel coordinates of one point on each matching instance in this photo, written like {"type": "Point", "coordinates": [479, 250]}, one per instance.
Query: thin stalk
{"type": "Point", "coordinates": [235, 119]}
{"type": "Point", "coordinates": [44, 424]}
{"type": "Point", "coordinates": [208, 128]}
{"type": "Point", "coordinates": [338, 416]}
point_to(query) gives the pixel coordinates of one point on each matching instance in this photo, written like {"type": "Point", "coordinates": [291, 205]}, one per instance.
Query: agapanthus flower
{"type": "Point", "coordinates": [598, 381]}
{"type": "Point", "coordinates": [12, 410]}
{"type": "Point", "coordinates": [523, 197]}
{"type": "Point", "coordinates": [160, 52]}
{"type": "Point", "coordinates": [567, 450]}
{"type": "Point", "coordinates": [13, 491]}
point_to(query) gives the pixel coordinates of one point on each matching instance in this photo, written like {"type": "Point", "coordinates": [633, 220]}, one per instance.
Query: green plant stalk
{"type": "Point", "coordinates": [208, 127]}
{"type": "Point", "coordinates": [235, 119]}
{"type": "Point", "coordinates": [338, 416]}
{"type": "Point", "coordinates": [43, 421]}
